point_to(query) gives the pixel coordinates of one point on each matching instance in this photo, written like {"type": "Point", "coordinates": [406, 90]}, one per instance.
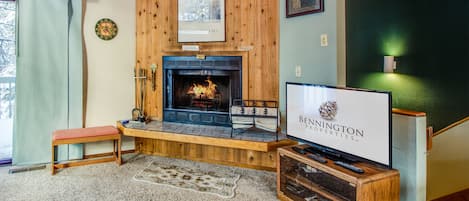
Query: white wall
{"type": "Point", "coordinates": [409, 149]}
{"type": "Point", "coordinates": [448, 162]}
{"type": "Point", "coordinates": [110, 68]}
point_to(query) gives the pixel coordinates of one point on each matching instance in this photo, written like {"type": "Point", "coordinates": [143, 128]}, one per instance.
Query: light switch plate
{"type": "Point", "coordinates": [298, 71]}
{"type": "Point", "coordinates": [324, 42]}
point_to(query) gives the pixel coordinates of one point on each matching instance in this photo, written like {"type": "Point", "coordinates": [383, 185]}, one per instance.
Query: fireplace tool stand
{"type": "Point", "coordinates": [138, 113]}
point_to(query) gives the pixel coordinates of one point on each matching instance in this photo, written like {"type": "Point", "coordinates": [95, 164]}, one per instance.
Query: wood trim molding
{"type": "Point", "coordinates": [429, 138]}
{"type": "Point", "coordinates": [408, 112]}
{"type": "Point", "coordinates": [84, 64]}
{"type": "Point", "coordinates": [441, 131]}
{"type": "Point", "coordinates": [423, 114]}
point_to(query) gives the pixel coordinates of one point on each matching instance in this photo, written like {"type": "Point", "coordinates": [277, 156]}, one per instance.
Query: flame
{"type": "Point", "coordinates": [207, 91]}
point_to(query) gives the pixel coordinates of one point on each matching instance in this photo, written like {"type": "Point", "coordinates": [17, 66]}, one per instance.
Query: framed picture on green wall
{"type": "Point", "coordinates": [303, 7]}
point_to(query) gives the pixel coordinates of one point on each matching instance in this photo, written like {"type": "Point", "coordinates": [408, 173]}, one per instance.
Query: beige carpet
{"type": "Point", "coordinates": [110, 182]}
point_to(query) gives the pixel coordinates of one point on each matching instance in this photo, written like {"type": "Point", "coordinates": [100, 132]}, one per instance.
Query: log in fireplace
{"type": "Point", "coordinates": [200, 91]}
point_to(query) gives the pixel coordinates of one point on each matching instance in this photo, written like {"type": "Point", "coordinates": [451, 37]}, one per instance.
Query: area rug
{"type": "Point", "coordinates": [219, 182]}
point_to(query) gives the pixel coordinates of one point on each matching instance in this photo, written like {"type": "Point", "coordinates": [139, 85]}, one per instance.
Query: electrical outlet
{"type": "Point", "coordinates": [324, 42]}
{"type": "Point", "coordinates": [298, 71]}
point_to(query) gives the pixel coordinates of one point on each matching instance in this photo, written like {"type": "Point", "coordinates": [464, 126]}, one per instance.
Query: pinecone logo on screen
{"type": "Point", "coordinates": [328, 110]}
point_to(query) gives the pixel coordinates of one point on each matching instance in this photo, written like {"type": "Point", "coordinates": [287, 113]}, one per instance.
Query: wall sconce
{"type": "Point", "coordinates": [389, 64]}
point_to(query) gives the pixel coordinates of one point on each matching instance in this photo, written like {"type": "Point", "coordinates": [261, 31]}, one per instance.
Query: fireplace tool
{"type": "Point", "coordinates": [143, 74]}
{"type": "Point", "coordinates": [138, 111]}
{"type": "Point", "coordinates": [135, 111]}
{"type": "Point", "coordinates": [153, 76]}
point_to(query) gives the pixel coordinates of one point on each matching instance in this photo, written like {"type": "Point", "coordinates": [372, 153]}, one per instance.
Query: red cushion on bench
{"type": "Point", "coordinates": [84, 132]}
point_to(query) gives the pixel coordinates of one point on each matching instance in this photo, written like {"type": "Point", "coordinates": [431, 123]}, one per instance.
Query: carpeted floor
{"type": "Point", "coordinates": [109, 182]}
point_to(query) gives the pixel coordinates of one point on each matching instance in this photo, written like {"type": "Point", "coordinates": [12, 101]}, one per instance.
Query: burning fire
{"type": "Point", "coordinates": [207, 91]}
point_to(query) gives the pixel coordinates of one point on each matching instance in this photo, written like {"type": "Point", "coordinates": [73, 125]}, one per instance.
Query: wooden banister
{"type": "Point", "coordinates": [430, 133]}
{"type": "Point", "coordinates": [408, 112]}
{"type": "Point", "coordinates": [451, 126]}
{"type": "Point", "coordinates": [429, 138]}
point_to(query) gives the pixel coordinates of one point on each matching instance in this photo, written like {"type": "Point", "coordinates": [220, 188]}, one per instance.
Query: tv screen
{"type": "Point", "coordinates": [351, 122]}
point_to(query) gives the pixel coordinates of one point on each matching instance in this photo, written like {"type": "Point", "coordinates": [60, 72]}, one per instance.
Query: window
{"type": "Point", "coordinates": [7, 76]}
{"type": "Point", "coordinates": [7, 38]}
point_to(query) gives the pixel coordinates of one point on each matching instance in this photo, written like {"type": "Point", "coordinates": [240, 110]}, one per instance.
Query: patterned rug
{"type": "Point", "coordinates": [222, 184]}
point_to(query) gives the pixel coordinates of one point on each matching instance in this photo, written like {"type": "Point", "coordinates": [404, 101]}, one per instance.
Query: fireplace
{"type": "Point", "coordinates": [200, 91]}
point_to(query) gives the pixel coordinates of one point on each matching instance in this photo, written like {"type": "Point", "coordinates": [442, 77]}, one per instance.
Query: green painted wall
{"type": "Point", "coordinates": [300, 45]}
{"type": "Point", "coordinates": [430, 39]}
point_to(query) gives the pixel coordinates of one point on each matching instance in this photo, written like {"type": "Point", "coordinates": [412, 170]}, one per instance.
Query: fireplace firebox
{"type": "Point", "coordinates": [200, 91]}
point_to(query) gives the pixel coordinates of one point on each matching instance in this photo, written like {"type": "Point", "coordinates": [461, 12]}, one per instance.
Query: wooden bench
{"type": "Point", "coordinates": [84, 135]}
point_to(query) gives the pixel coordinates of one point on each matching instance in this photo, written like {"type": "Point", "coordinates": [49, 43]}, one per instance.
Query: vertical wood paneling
{"type": "Point", "coordinates": [249, 23]}
{"type": "Point", "coordinates": [207, 153]}
{"type": "Point", "coordinates": [153, 59]}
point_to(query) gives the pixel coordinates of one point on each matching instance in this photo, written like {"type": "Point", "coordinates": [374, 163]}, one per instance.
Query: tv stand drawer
{"type": "Point", "coordinates": [334, 185]}
{"type": "Point", "coordinates": [297, 191]}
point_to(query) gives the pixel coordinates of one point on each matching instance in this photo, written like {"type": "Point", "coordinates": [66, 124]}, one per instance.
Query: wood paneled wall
{"type": "Point", "coordinates": [252, 31]}
{"type": "Point", "coordinates": [207, 153]}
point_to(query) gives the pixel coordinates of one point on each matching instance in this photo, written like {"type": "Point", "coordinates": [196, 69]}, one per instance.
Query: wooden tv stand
{"type": "Point", "coordinates": [301, 178]}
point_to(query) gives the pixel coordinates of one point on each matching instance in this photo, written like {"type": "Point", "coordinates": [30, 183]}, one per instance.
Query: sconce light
{"type": "Point", "coordinates": [389, 64]}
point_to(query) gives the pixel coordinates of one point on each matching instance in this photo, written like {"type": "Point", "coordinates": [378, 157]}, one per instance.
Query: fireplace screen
{"type": "Point", "coordinates": [205, 93]}
{"type": "Point", "coordinates": [199, 91]}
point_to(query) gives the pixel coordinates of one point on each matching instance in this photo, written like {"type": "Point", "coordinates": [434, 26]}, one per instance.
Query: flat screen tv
{"type": "Point", "coordinates": [354, 124]}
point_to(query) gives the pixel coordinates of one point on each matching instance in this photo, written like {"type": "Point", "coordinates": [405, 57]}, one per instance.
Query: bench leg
{"type": "Point", "coordinates": [119, 150]}
{"type": "Point", "coordinates": [53, 160]}
{"type": "Point", "coordinates": [114, 149]}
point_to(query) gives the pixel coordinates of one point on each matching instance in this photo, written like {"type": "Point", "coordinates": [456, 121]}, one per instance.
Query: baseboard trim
{"type": "Point", "coordinates": [441, 131]}
{"type": "Point", "coordinates": [106, 154]}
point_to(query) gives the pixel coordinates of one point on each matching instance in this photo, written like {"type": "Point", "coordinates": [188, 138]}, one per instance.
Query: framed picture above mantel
{"type": "Point", "coordinates": [303, 7]}
{"type": "Point", "coordinates": [201, 21]}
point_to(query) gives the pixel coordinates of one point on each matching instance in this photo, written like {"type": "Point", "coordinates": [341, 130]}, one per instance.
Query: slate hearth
{"type": "Point", "coordinates": [211, 131]}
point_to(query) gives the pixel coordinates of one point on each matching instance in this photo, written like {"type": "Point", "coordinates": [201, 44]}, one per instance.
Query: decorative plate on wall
{"type": "Point", "coordinates": [106, 29]}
